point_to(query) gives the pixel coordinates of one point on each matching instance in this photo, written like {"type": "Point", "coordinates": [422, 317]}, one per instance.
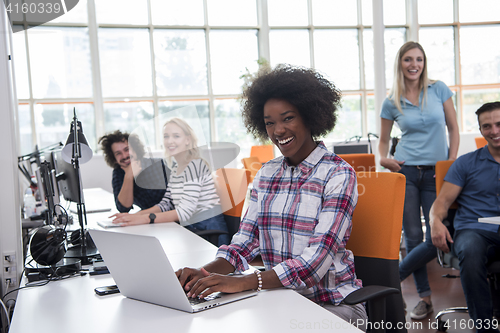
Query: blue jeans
{"type": "Point", "coordinates": [214, 223]}
{"type": "Point", "coordinates": [420, 192]}
{"type": "Point", "coordinates": [475, 248]}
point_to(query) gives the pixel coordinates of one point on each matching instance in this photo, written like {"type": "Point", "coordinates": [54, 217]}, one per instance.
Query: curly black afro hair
{"type": "Point", "coordinates": [316, 98]}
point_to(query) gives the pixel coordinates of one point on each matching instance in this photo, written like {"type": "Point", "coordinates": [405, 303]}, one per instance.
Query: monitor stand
{"type": "Point", "coordinates": [84, 253]}
{"type": "Point", "coordinates": [65, 266]}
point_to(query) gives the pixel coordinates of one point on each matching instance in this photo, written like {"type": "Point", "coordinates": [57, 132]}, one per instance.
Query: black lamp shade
{"type": "Point", "coordinates": [47, 245]}
{"type": "Point", "coordinates": [67, 151]}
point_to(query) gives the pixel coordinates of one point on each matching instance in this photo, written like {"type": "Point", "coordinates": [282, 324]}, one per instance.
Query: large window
{"type": "Point", "coordinates": [473, 73]}
{"type": "Point", "coordinates": [60, 62]}
{"type": "Point", "coordinates": [127, 64]}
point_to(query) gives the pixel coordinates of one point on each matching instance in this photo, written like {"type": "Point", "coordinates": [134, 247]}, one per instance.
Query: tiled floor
{"type": "Point", "coordinates": [446, 292]}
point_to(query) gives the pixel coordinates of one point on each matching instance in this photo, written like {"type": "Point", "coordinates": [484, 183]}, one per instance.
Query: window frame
{"type": "Point", "coordinates": [263, 30]}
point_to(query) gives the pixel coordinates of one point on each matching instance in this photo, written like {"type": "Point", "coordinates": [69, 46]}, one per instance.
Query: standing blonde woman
{"type": "Point", "coordinates": [191, 198]}
{"type": "Point", "coordinates": [423, 110]}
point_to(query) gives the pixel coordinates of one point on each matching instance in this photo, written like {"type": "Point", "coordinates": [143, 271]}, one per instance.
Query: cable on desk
{"type": "Point", "coordinates": [47, 278]}
{"type": "Point", "coordinates": [7, 284]}
{"type": "Point", "coordinates": [42, 283]}
{"type": "Point", "coordinates": [65, 213]}
{"type": "Point", "coordinates": [11, 308]}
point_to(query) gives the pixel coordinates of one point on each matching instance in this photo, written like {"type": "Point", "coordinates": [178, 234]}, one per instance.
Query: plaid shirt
{"type": "Point", "coordinates": [299, 220]}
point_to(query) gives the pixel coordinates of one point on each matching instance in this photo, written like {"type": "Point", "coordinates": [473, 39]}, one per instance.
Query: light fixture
{"type": "Point", "coordinates": [77, 151]}
{"type": "Point", "coordinates": [85, 151]}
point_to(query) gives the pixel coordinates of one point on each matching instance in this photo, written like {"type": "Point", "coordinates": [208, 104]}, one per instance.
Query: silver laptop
{"type": "Point", "coordinates": [142, 271]}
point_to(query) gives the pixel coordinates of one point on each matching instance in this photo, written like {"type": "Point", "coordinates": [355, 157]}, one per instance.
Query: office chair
{"type": "Point", "coordinates": [263, 152]}
{"type": "Point", "coordinates": [480, 142]}
{"type": "Point", "coordinates": [360, 162]}
{"type": "Point", "coordinates": [231, 185]}
{"type": "Point", "coordinates": [253, 165]}
{"type": "Point", "coordinates": [375, 240]}
{"type": "Point", "coordinates": [451, 260]}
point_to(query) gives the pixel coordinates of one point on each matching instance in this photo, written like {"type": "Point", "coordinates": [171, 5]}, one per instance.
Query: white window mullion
{"type": "Point", "coordinates": [156, 111]}
{"type": "Point", "coordinates": [379, 55]}
{"type": "Point", "coordinates": [311, 33]}
{"type": "Point", "coordinates": [458, 77]}
{"type": "Point", "coordinates": [263, 36]}
{"type": "Point", "coordinates": [30, 83]}
{"type": "Point", "coordinates": [211, 100]}
{"type": "Point", "coordinates": [458, 68]}
{"type": "Point", "coordinates": [364, 111]}
{"type": "Point", "coordinates": [362, 81]}
{"type": "Point", "coordinates": [412, 19]}
{"type": "Point", "coordinates": [96, 70]}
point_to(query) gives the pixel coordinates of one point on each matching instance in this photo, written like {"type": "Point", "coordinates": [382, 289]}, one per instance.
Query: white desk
{"type": "Point", "coordinates": [72, 306]}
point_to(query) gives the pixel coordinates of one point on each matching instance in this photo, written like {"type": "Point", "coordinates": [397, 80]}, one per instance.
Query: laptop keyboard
{"type": "Point", "coordinates": [211, 297]}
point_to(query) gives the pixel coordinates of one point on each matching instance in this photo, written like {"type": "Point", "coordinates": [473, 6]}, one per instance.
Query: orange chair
{"type": "Point", "coordinates": [449, 259]}
{"type": "Point", "coordinates": [263, 152]}
{"type": "Point", "coordinates": [480, 142]}
{"type": "Point", "coordinates": [441, 170]}
{"type": "Point", "coordinates": [252, 164]}
{"type": "Point", "coordinates": [360, 162]}
{"type": "Point", "coordinates": [375, 242]}
{"type": "Point", "coordinates": [232, 185]}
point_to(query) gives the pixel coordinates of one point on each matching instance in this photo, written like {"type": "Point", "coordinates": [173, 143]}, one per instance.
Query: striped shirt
{"type": "Point", "coordinates": [299, 220]}
{"type": "Point", "coordinates": [191, 193]}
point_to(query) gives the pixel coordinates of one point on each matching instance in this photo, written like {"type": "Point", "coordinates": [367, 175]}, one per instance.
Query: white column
{"type": "Point", "coordinates": [379, 56]}
{"type": "Point", "coordinates": [264, 30]}
{"type": "Point", "coordinates": [412, 20]}
{"type": "Point", "coordinates": [96, 70]}
{"type": "Point", "coordinates": [10, 221]}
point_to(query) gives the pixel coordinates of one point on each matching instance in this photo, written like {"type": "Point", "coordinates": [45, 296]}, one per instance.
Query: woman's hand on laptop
{"type": "Point", "coordinates": [126, 219]}
{"type": "Point", "coordinates": [189, 276]}
{"type": "Point", "coordinates": [207, 283]}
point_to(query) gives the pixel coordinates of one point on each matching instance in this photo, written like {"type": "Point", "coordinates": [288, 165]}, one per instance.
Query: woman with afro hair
{"type": "Point", "coordinates": [300, 212]}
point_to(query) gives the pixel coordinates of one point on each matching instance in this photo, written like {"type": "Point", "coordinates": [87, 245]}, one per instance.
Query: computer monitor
{"type": "Point", "coordinates": [50, 159]}
{"type": "Point", "coordinates": [48, 190]}
{"type": "Point", "coordinates": [351, 147]}
{"type": "Point", "coordinates": [220, 154]}
{"type": "Point", "coordinates": [67, 177]}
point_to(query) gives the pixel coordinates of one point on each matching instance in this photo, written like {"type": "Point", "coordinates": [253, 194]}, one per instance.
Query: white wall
{"type": "Point", "coordinates": [10, 221]}
{"type": "Point", "coordinates": [96, 173]}
{"type": "Point", "coordinates": [467, 143]}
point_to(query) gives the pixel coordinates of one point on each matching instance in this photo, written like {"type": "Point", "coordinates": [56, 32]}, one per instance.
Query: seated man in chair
{"type": "Point", "coordinates": [473, 180]}
{"type": "Point", "coordinates": [126, 190]}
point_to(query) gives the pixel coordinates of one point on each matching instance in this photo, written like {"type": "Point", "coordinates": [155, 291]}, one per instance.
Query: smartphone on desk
{"type": "Point", "coordinates": [107, 290]}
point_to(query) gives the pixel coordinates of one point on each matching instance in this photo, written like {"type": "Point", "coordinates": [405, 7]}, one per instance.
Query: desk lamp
{"type": "Point", "coordinates": [77, 151]}
{"type": "Point", "coordinates": [48, 243]}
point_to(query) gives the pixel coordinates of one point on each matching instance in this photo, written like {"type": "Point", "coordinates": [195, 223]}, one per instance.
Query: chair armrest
{"type": "Point", "coordinates": [210, 232]}
{"type": "Point", "coordinates": [369, 293]}
{"type": "Point", "coordinates": [440, 258]}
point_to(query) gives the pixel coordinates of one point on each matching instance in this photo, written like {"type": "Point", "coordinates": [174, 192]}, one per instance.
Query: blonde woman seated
{"type": "Point", "coordinates": [191, 198]}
